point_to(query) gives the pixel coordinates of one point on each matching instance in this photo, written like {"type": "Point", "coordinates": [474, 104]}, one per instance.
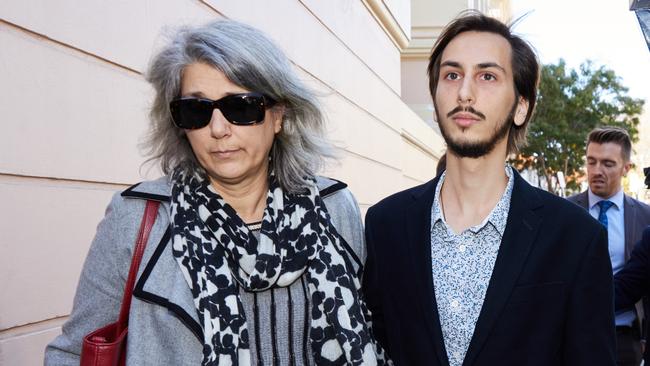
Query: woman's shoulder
{"type": "Point", "coordinates": [327, 186]}
{"type": "Point", "coordinates": [157, 189]}
{"type": "Point", "coordinates": [124, 212]}
{"type": "Point", "coordinates": [336, 194]}
{"type": "Point", "coordinates": [133, 199]}
{"type": "Point", "coordinates": [345, 214]}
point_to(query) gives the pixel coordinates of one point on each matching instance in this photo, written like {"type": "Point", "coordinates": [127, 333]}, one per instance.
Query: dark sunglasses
{"type": "Point", "coordinates": [238, 109]}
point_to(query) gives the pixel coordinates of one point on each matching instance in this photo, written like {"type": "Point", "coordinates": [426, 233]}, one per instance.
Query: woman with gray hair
{"type": "Point", "coordinates": [253, 259]}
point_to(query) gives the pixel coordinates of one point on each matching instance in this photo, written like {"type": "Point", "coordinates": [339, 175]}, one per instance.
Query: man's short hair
{"type": "Point", "coordinates": [614, 135]}
{"type": "Point", "coordinates": [525, 65]}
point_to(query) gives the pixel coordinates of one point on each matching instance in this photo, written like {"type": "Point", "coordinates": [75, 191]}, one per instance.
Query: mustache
{"type": "Point", "coordinates": [467, 109]}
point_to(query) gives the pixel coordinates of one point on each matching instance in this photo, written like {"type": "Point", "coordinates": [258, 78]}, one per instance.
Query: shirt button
{"type": "Point", "coordinates": [456, 354]}
{"type": "Point", "coordinates": [461, 248]}
{"type": "Point", "coordinates": [454, 303]}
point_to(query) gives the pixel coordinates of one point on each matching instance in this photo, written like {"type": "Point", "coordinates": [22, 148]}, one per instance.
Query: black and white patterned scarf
{"type": "Point", "coordinates": [217, 253]}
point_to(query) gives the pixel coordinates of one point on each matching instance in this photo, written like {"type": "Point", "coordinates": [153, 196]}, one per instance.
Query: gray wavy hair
{"type": "Point", "coordinates": [251, 60]}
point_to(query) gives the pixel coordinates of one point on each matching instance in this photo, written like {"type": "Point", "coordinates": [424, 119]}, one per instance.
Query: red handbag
{"type": "Point", "coordinates": [106, 346]}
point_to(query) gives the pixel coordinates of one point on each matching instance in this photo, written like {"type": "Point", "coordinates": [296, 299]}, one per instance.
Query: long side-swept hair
{"type": "Point", "coordinates": [251, 60]}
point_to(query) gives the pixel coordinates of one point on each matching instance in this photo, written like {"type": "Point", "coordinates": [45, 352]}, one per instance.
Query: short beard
{"type": "Point", "coordinates": [477, 149]}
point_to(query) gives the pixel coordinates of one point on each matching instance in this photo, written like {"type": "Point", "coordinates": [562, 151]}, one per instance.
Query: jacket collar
{"type": "Point", "coordinates": [418, 229]}
{"type": "Point", "coordinates": [582, 200]}
{"type": "Point", "coordinates": [631, 224]}
{"type": "Point", "coordinates": [156, 190]}
{"type": "Point", "coordinates": [162, 283]}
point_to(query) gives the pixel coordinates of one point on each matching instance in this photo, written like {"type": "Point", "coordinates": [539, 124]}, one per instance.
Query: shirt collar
{"type": "Point", "coordinates": [498, 217]}
{"type": "Point", "coordinates": [616, 199]}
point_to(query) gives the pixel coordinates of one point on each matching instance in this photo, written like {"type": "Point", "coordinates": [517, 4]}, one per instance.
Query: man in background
{"type": "Point", "coordinates": [608, 161]}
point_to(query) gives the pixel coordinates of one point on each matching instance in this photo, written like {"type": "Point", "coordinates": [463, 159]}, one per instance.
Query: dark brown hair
{"type": "Point", "coordinates": [615, 135]}
{"type": "Point", "coordinates": [525, 66]}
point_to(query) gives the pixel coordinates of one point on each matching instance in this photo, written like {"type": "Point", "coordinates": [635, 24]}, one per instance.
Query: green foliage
{"type": "Point", "coordinates": [570, 104]}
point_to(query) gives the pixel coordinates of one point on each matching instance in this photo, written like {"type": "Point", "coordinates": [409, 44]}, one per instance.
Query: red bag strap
{"type": "Point", "coordinates": [148, 219]}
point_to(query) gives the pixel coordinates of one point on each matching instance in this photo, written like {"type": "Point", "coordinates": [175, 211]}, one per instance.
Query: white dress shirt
{"type": "Point", "coordinates": [615, 239]}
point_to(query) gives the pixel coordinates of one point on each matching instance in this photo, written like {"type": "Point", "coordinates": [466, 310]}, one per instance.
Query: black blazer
{"type": "Point", "coordinates": [633, 281]}
{"type": "Point", "coordinates": [635, 218]}
{"type": "Point", "coordinates": [549, 300]}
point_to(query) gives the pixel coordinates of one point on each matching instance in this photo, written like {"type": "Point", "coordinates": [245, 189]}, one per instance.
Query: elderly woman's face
{"type": "Point", "coordinates": [230, 154]}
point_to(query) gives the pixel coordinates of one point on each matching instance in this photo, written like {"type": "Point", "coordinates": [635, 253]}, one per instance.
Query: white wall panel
{"type": "Point", "coordinates": [416, 163]}
{"type": "Point", "coordinates": [369, 181]}
{"type": "Point", "coordinates": [366, 39]}
{"type": "Point", "coordinates": [401, 11]}
{"type": "Point", "coordinates": [425, 13]}
{"type": "Point", "coordinates": [359, 132]}
{"type": "Point", "coordinates": [70, 117]}
{"type": "Point", "coordinates": [26, 350]}
{"type": "Point", "coordinates": [415, 88]}
{"type": "Point", "coordinates": [46, 231]}
{"type": "Point", "coordinates": [121, 31]}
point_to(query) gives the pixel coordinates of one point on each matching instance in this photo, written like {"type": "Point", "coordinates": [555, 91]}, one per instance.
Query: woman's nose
{"type": "Point", "coordinates": [219, 125]}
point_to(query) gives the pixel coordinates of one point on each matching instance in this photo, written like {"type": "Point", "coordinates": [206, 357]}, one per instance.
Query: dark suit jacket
{"type": "Point", "coordinates": [636, 217]}
{"type": "Point", "coordinates": [549, 300]}
{"type": "Point", "coordinates": [633, 281]}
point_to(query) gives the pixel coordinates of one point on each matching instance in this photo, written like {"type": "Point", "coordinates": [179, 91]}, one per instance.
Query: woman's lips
{"type": "Point", "coordinates": [224, 154]}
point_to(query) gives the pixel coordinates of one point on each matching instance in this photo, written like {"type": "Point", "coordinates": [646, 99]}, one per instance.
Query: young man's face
{"type": "Point", "coordinates": [605, 168]}
{"type": "Point", "coordinates": [475, 97]}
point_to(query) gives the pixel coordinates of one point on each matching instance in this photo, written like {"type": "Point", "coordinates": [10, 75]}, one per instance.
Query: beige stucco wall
{"type": "Point", "coordinates": [74, 107]}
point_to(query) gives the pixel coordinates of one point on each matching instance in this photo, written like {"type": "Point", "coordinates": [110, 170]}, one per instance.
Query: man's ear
{"type": "Point", "coordinates": [521, 111]}
{"type": "Point", "coordinates": [626, 168]}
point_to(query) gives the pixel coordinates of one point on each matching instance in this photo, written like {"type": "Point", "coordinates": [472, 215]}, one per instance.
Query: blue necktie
{"type": "Point", "coordinates": [602, 216]}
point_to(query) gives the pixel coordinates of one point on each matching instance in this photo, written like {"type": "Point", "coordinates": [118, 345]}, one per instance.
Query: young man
{"type": "Point", "coordinates": [477, 267]}
{"type": "Point", "coordinates": [608, 161]}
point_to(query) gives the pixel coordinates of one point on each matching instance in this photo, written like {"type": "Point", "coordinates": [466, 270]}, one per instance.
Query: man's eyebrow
{"type": "Point", "coordinates": [604, 160]}
{"type": "Point", "coordinates": [487, 65]}
{"type": "Point", "coordinates": [481, 66]}
{"type": "Point", "coordinates": [450, 63]}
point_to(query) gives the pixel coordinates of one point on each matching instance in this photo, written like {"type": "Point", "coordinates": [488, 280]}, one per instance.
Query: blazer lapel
{"type": "Point", "coordinates": [520, 233]}
{"type": "Point", "coordinates": [583, 200]}
{"type": "Point", "coordinates": [629, 220]}
{"type": "Point", "coordinates": [162, 283]}
{"type": "Point", "coordinates": [418, 229]}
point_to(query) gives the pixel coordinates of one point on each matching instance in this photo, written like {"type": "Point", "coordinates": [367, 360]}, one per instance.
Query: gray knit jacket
{"type": "Point", "coordinates": [164, 328]}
